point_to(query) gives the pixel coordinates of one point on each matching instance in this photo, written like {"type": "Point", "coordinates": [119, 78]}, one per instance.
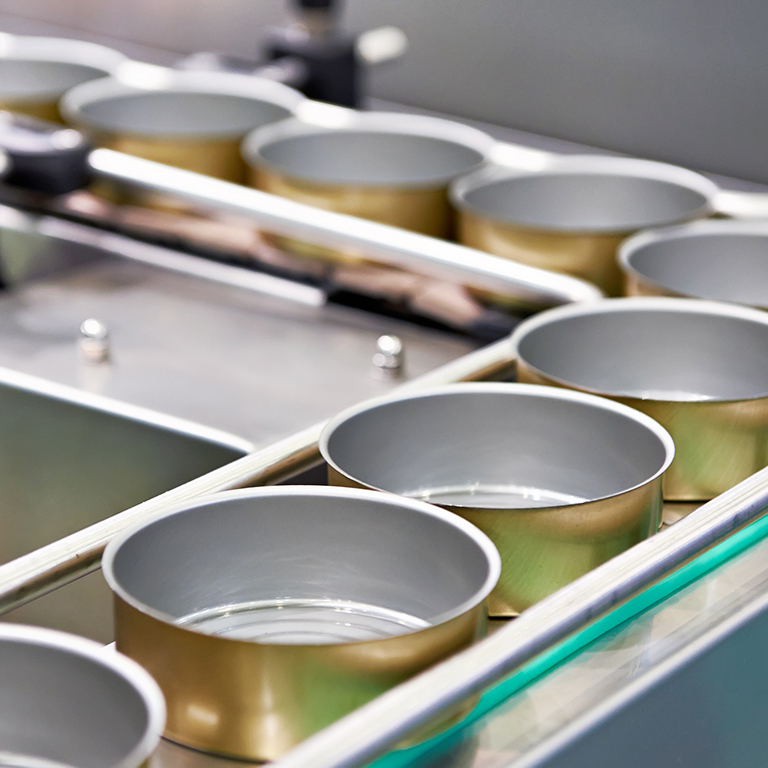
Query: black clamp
{"type": "Point", "coordinates": [43, 156]}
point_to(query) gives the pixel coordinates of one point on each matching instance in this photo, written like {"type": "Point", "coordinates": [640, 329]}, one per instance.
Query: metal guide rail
{"type": "Point", "coordinates": [391, 246]}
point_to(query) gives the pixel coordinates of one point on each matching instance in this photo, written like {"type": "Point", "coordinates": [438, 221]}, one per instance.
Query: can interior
{"type": "Point", "coordinates": [65, 707]}
{"type": "Point", "coordinates": [369, 158]}
{"type": "Point", "coordinates": [301, 547]}
{"type": "Point", "coordinates": [540, 445]}
{"type": "Point", "coordinates": [726, 267]}
{"type": "Point", "coordinates": [653, 354]}
{"type": "Point", "coordinates": [181, 113]}
{"type": "Point", "coordinates": [24, 79]}
{"type": "Point", "coordinates": [592, 202]}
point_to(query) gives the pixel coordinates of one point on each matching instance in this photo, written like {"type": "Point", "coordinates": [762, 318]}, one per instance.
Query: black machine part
{"type": "Point", "coordinates": [329, 57]}
{"type": "Point", "coordinates": [42, 156]}
{"type": "Point", "coordinates": [313, 55]}
{"type": "Point", "coordinates": [332, 71]}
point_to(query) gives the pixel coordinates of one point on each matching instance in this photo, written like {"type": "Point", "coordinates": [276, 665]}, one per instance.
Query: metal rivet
{"type": "Point", "coordinates": [93, 343]}
{"type": "Point", "coordinates": [389, 359]}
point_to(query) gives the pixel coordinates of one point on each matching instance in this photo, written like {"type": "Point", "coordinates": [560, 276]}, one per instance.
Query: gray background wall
{"type": "Point", "coordinates": [678, 80]}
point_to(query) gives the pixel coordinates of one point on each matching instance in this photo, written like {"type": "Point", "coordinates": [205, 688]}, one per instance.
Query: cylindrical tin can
{"type": "Point", "coordinates": [191, 120]}
{"type": "Point", "coordinates": [560, 481]}
{"type": "Point", "coordinates": [35, 72]}
{"type": "Point", "coordinates": [266, 614]}
{"type": "Point", "coordinates": [66, 701]}
{"type": "Point", "coordinates": [389, 167]}
{"type": "Point", "coordinates": [699, 368]}
{"type": "Point", "coordinates": [571, 216]}
{"type": "Point", "coordinates": [719, 259]}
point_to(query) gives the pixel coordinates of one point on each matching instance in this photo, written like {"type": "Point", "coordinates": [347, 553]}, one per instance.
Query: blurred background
{"type": "Point", "coordinates": [682, 81]}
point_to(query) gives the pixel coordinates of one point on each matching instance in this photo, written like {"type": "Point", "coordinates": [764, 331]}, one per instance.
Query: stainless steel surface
{"type": "Point", "coordinates": [74, 703]}
{"type": "Point", "coordinates": [722, 260]}
{"type": "Point", "coordinates": [699, 368]}
{"type": "Point", "coordinates": [276, 358]}
{"type": "Point", "coordinates": [297, 605]}
{"type": "Point", "coordinates": [70, 459]}
{"type": "Point", "coordinates": [380, 725]}
{"type": "Point", "coordinates": [58, 563]}
{"type": "Point", "coordinates": [560, 481]}
{"type": "Point", "coordinates": [389, 245]}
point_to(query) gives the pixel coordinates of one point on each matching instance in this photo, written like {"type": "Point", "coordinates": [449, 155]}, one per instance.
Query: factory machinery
{"type": "Point", "coordinates": [146, 363]}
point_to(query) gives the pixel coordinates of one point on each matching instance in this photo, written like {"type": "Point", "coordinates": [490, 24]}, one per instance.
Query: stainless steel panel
{"type": "Point", "coordinates": [222, 346]}
{"type": "Point", "coordinates": [68, 460]}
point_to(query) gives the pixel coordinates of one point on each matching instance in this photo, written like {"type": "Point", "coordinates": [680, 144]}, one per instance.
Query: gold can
{"type": "Point", "coordinates": [190, 120]}
{"type": "Point", "coordinates": [267, 614]}
{"type": "Point", "coordinates": [387, 167]}
{"type": "Point", "coordinates": [571, 215]}
{"type": "Point", "coordinates": [35, 72]}
{"type": "Point", "coordinates": [559, 481]}
{"type": "Point", "coordinates": [718, 259]}
{"type": "Point", "coordinates": [699, 368]}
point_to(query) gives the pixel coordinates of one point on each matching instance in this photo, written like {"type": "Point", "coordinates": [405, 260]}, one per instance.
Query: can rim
{"type": "Point", "coordinates": [482, 541]}
{"type": "Point", "coordinates": [134, 78]}
{"type": "Point", "coordinates": [311, 122]}
{"type": "Point", "coordinates": [134, 674]}
{"type": "Point", "coordinates": [650, 304]}
{"type": "Point", "coordinates": [516, 389]}
{"type": "Point", "coordinates": [724, 227]}
{"type": "Point", "coordinates": [587, 165]}
{"type": "Point", "coordinates": [58, 52]}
